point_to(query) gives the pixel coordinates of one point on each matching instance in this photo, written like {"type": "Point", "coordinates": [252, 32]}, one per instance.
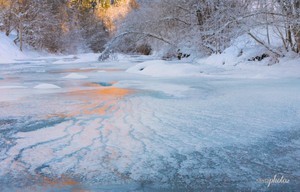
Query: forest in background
{"type": "Point", "coordinates": [61, 26]}
{"type": "Point", "coordinates": [161, 27]}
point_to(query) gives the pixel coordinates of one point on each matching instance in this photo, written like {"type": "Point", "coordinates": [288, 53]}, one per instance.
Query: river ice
{"type": "Point", "coordinates": [119, 131]}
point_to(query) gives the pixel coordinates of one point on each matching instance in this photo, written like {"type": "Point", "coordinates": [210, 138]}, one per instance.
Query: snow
{"type": "Point", "coordinates": [46, 86]}
{"type": "Point", "coordinates": [245, 47]}
{"type": "Point", "coordinates": [162, 128]}
{"type": "Point", "coordinates": [226, 64]}
{"type": "Point", "coordinates": [79, 58]}
{"type": "Point", "coordinates": [75, 76]}
{"type": "Point", "coordinates": [9, 52]}
{"type": "Point", "coordinates": [165, 88]}
{"type": "Point", "coordinates": [160, 68]}
{"type": "Point", "coordinates": [234, 64]}
{"type": "Point", "coordinates": [152, 125]}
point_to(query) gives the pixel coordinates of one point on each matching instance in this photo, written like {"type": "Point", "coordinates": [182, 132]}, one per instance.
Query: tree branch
{"type": "Point", "coordinates": [104, 55]}
{"type": "Point", "coordinates": [263, 44]}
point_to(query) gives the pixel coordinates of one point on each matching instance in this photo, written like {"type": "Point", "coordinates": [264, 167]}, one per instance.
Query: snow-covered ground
{"type": "Point", "coordinates": [140, 124]}
{"type": "Point", "coordinates": [9, 52]}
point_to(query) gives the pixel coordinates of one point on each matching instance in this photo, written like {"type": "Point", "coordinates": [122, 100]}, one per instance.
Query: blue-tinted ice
{"type": "Point", "coordinates": [114, 131]}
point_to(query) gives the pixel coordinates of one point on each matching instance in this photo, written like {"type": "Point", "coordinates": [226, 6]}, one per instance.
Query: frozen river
{"type": "Point", "coordinates": [88, 126]}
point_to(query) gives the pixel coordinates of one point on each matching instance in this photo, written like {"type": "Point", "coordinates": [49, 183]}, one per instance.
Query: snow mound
{"type": "Point", "coordinates": [8, 50]}
{"type": "Point", "coordinates": [75, 76]}
{"type": "Point", "coordinates": [46, 86]}
{"type": "Point", "coordinates": [237, 60]}
{"type": "Point", "coordinates": [244, 49]}
{"type": "Point", "coordinates": [160, 68]}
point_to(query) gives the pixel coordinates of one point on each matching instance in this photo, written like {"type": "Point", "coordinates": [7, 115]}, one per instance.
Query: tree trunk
{"type": "Point", "coordinates": [298, 42]}
{"type": "Point", "coordinates": [289, 37]}
{"type": "Point", "coordinates": [297, 27]}
{"type": "Point", "coordinates": [297, 38]}
{"type": "Point", "coordinates": [21, 35]}
{"type": "Point", "coordinates": [7, 24]}
{"type": "Point", "coordinates": [7, 31]}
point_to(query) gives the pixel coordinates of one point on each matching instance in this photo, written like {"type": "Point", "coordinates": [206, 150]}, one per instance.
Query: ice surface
{"type": "Point", "coordinates": [12, 87]}
{"type": "Point", "coordinates": [221, 129]}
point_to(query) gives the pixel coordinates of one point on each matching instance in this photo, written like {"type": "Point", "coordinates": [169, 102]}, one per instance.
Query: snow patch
{"type": "Point", "coordinates": [75, 76]}
{"type": "Point", "coordinates": [46, 86]}
{"type": "Point", "coordinates": [166, 88]}
{"type": "Point", "coordinates": [236, 61]}
{"type": "Point", "coordinates": [9, 52]}
{"type": "Point", "coordinates": [160, 68]}
{"type": "Point", "coordinates": [80, 58]}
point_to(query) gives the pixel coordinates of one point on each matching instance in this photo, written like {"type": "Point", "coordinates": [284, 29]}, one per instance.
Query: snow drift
{"type": "Point", "coordinates": [160, 68]}
{"type": "Point", "coordinates": [9, 52]}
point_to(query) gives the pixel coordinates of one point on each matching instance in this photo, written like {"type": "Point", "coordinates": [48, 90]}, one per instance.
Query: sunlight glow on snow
{"type": "Point", "coordinates": [99, 101]}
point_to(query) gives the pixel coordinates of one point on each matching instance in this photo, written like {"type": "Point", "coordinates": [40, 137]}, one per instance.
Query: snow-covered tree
{"type": "Point", "coordinates": [208, 26]}
{"type": "Point", "coordinates": [142, 26]}
{"type": "Point", "coordinates": [205, 26]}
